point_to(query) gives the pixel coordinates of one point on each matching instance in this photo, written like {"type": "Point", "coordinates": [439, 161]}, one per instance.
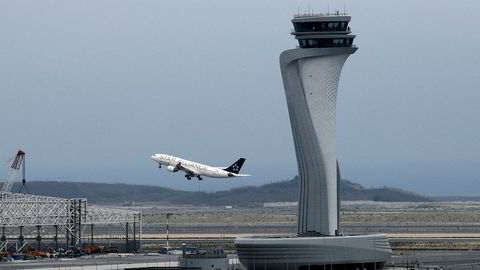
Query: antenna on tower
{"type": "Point", "coordinates": [328, 9]}
{"type": "Point", "coordinates": [344, 8]}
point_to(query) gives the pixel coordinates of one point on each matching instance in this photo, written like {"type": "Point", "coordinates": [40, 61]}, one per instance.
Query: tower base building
{"type": "Point", "coordinates": [310, 74]}
{"type": "Point", "coordinates": [328, 252]}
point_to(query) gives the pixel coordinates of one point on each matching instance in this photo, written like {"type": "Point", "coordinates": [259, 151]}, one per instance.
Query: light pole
{"type": "Point", "coordinates": [168, 217]}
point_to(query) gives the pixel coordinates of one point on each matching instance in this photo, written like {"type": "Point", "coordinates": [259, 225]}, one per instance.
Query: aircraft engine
{"type": "Point", "coordinates": [171, 168]}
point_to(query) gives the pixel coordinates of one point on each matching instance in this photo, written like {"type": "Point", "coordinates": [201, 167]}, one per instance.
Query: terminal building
{"type": "Point", "coordinates": [310, 74]}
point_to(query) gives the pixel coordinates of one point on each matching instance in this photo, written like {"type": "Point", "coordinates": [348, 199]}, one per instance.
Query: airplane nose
{"type": "Point", "coordinates": [153, 157]}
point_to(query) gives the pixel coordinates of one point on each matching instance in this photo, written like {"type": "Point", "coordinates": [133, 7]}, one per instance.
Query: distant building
{"type": "Point", "coordinates": [129, 203]}
{"type": "Point", "coordinates": [280, 204]}
{"type": "Point", "coordinates": [215, 259]}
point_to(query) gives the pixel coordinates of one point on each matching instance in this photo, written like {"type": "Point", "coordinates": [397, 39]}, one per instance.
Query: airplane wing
{"type": "Point", "coordinates": [188, 171]}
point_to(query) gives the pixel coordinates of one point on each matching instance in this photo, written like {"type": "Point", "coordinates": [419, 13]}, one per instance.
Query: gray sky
{"type": "Point", "coordinates": [90, 89]}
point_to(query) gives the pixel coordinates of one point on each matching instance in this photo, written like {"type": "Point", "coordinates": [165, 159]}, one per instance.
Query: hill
{"type": "Point", "coordinates": [275, 192]}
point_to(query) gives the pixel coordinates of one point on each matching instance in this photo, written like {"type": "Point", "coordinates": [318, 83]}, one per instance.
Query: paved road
{"type": "Point", "coordinates": [446, 258]}
{"type": "Point", "coordinates": [93, 262]}
{"type": "Point", "coordinates": [291, 228]}
{"type": "Point", "coordinates": [449, 259]}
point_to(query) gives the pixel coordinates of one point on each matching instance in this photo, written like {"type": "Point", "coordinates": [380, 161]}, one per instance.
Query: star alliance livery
{"type": "Point", "coordinates": [193, 169]}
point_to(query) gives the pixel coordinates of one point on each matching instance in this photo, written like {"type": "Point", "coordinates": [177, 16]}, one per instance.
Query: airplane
{"type": "Point", "coordinates": [193, 169]}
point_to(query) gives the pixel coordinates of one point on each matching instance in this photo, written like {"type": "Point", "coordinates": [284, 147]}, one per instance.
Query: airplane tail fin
{"type": "Point", "coordinates": [235, 167]}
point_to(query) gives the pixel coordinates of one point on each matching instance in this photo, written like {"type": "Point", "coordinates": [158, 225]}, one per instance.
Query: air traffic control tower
{"type": "Point", "coordinates": [310, 75]}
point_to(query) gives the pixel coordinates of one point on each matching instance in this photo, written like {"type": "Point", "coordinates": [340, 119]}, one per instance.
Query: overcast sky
{"type": "Point", "coordinates": [91, 89]}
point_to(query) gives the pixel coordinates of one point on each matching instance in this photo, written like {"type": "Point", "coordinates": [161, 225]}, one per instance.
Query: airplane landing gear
{"type": "Point", "coordinates": [159, 166]}
{"type": "Point", "coordinates": [200, 178]}
{"type": "Point", "coordinates": [188, 177]}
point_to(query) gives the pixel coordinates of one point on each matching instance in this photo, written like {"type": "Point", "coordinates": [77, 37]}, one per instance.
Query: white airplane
{"type": "Point", "coordinates": [193, 169]}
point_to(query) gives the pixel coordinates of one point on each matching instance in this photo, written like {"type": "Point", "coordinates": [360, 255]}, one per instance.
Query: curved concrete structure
{"type": "Point", "coordinates": [307, 252]}
{"type": "Point", "coordinates": [310, 77]}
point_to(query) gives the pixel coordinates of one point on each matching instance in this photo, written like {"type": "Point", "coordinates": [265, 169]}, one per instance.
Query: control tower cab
{"type": "Point", "coordinates": [322, 31]}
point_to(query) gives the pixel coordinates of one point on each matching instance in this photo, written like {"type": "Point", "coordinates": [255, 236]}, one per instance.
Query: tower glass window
{"type": "Point", "coordinates": [320, 26]}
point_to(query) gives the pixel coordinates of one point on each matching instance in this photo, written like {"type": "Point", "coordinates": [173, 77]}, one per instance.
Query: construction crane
{"type": "Point", "coordinates": [17, 162]}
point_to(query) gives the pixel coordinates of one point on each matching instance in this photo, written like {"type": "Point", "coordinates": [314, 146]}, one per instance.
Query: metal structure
{"type": "Point", "coordinates": [17, 162]}
{"type": "Point", "coordinates": [26, 219]}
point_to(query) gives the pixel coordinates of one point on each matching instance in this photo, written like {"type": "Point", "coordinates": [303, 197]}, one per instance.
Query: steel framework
{"type": "Point", "coordinates": [18, 209]}
{"type": "Point", "coordinates": [40, 214]}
